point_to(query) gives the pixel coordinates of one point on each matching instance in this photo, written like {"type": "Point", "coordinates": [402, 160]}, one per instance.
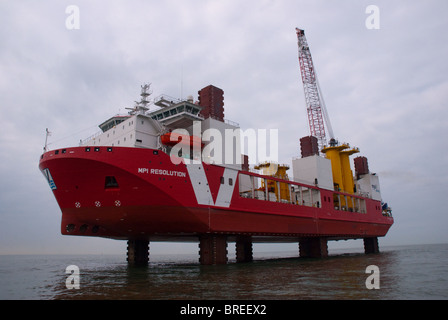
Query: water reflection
{"type": "Point", "coordinates": [337, 277]}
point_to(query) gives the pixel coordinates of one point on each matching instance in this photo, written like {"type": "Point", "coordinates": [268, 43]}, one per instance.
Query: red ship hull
{"type": "Point", "coordinates": [135, 193]}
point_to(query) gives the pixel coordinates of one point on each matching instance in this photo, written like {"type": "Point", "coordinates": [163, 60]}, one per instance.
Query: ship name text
{"type": "Point", "coordinates": [163, 172]}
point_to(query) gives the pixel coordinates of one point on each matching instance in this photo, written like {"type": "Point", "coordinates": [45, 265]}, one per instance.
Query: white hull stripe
{"type": "Point", "coordinates": [201, 188]}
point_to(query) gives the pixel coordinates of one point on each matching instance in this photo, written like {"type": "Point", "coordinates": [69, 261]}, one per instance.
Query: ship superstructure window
{"type": "Point", "coordinates": [110, 182]}
{"type": "Point", "coordinates": [112, 122]}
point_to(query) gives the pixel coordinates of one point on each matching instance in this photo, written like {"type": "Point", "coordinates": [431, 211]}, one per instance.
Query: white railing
{"type": "Point", "coordinates": [93, 136]}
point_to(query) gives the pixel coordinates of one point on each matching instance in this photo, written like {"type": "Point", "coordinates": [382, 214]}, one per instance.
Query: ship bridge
{"type": "Point", "coordinates": [176, 113]}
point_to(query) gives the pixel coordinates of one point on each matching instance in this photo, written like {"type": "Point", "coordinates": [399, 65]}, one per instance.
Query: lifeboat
{"type": "Point", "coordinates": [173, 138]}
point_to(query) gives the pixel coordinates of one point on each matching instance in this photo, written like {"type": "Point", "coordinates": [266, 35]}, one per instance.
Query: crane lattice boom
{"type": "Point", "coordinates": [314, 103]}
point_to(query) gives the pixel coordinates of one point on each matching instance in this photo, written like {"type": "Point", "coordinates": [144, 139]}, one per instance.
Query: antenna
{"type": "Point", "coordinates": [181, 82]}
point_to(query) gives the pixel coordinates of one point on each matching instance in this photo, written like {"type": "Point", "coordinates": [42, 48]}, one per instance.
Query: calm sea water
{"type": "Point", "coordinates": [407, 272]}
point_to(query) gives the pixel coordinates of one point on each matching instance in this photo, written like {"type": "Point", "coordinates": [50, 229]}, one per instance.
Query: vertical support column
{"type": "Point", "coordinates": [304, 248]}
{"type": "Point", "coordinates": [138, 252]}
{"type": "Point", "coordinates": [243, 248]}
{"type": "Point", "coordinates": [277, 193]}
{"type": "Point", "coordinates": [371, 245]}
{"type": "Point", "coordinates": [291, 194]}
{"type": "Point", "coordinates": [252, 188]}
{"type": "Point", "coordinates": [266, 189]}
{"type": "Point", "coordinates": [212, 249]}
{"type": "Point", "coordinates": [313, 247]}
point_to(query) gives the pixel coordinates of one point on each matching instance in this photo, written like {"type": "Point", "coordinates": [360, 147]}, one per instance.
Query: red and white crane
{"type": "Point", "coordinates": [315, 105]}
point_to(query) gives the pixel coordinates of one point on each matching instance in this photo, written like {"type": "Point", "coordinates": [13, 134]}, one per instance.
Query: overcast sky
{"type": "Point", "coordinates": [386, 92]}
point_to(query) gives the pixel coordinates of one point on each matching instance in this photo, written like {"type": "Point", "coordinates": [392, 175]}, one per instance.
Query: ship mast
{"type": "Point", "coordinates": [47, 134]}
{"type": "Point", "coordinates": [141, 107]}
{"type": "Point", "coordinates": [145, 94]}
